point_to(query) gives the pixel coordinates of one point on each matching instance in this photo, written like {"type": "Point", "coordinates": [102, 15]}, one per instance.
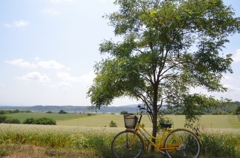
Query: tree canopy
{"type": "Point", "coordinates": [167, 48]}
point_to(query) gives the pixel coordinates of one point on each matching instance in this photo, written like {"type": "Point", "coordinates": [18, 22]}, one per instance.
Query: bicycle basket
{"type": "Point", "coordinates": [130, 121]}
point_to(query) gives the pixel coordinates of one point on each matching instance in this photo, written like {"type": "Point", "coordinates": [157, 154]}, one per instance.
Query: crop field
{"type": "Point", "coordinates": [90, 136]}
{"type": "Point", "coordinates": [55, 116]}
{"type": "Point", "coordinates": [103, 120]}
{"type": "Point", "coordinates": [206, 121]}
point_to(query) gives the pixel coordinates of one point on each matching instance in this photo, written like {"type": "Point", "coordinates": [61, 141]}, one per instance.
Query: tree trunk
{"type": "Point", "coordinates": [155, 112]}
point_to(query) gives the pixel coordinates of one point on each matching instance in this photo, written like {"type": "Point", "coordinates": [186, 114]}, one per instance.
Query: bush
{"type": "Point", "coordinates": [2, 118]}
{"type": "Point", "coordinates": [12, 120]}
{"type": "Point", "coordinates": [113, 124]}
{"type": "Point", "coordinates": [40, 121]}
{"type": "Point", "coordinates": [236, 111]}
{"type": "Point", "coordinates": [62, 112]}
{"type": "Point", "coordinates": [45, 121]}
{"type": "Point", "coordinates": [124, 112]}
{"type": "Point", "coordinates": [29, 121]}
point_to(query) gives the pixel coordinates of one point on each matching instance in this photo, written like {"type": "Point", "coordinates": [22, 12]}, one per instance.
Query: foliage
{"type": "Point", "coordinates": [12, 120]}
{"type": "Point", "coordinates": [112, 124]}
{"type": "Point", "coordinates": [45, 121]}
{"type": "Point", "coordinates": [55, 116]}
{"type": "Point", "coordinates": [42, 121]}
{"type": "Point", "coordinates": [2, 118]}
{"type": "Point", "coordinates": [97, 142]}
{"type": "Point", "coordinates": [13, 111]}
{"type": "Point", "coordinates": [4, 153]}
{"type": "Point", "coordinates": [124, 112]}
{"type": "Point", "coordinates": [237, 110]}
{"type": "Point", "coordinates": [220, 145]}
{"type": "Point", "coordinates": [62, 112]}
{"type": "Point", "coordinates": [29, 121]}
{"type": "Point", "coordinates": [167, 48]}
{"type": "Point", "coordinates": [6, 119]}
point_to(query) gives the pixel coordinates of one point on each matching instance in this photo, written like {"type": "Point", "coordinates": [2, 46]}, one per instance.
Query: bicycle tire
{"type": "Point", "coordinates": [182, 143]}
{"type": "Point", "coordinates": [120, 145]}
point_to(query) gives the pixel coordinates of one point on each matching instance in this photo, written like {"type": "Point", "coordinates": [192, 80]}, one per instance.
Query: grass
{"type": "Point", "coordinates": [91, 136]}
{"type": "Point", "coordinates": [56, 139]}
{"type": "Point", "coordinates": [206, 121]}
{"type": "Point", "coordinates": [103, 120]}
{"type": "Point", "coordinates": [221, 143]}
{"type": "Point", "coordinates": [55, 116]}
{"type": "Point", "coordinates": [62, 141]}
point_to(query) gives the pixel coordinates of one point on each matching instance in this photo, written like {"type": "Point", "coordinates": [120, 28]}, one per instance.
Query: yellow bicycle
{"type": "Point", "coordinates": [179, 143]}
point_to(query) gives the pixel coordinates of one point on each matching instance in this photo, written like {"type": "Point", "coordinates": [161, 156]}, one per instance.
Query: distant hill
{"type": "Point", "coordinates": [71, 109]}
{"type": "Point", "coordinates": [109, 109]}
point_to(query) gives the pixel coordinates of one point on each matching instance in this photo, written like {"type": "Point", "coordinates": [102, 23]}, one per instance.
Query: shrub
{"type": "Point", "coordinates": [2, 118]}
{"type": "Point", "coordinates": [45, 121]}
{"type": "Point", "coordinates": [4, 152]}
{"type": "Point", "coordinates": [62, 112]}
{"type": "Point", "coordinates": [124, 112]}
{"type": "Point", "coordinates": [40, 121]}
{"type": "Point", "coordinates": [236, 111]}
{"type": "Point", "coordinates": [29, 121]}
{"type": "Point", "coordinates": [12, 120]}
{"type": "Point", "coordinates": [113, 124]}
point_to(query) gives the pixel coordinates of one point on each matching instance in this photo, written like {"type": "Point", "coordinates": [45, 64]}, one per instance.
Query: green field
{"type": "Point", "coordinates": [103, 120]}
{"type": "Point", "coordinates": [206, 121]}
{"type": "Point", "coordinates": [55, 116]}
{"type": "Point", "coordinates": [90, 136]}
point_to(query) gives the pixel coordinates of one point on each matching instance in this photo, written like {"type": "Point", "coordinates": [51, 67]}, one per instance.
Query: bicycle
{"type": "Point", "coordinates": [172, 142]}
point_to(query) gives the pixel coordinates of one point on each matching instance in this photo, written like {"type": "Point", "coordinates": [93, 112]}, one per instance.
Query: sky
{"type": "Point", "coordinates": [48, 49]}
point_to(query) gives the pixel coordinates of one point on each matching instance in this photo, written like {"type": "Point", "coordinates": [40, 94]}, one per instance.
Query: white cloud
{"type": "Point", "coordinates": [21, 63]}
{"type": "Point", "coordinates": [63, 85]}
{"type": "Point", "coordinates": [2, 85]}
{"type": "Point", "coordinates": [55, 0]}
{"type": "Point", "coordinates": [232, 89]}
{"type": "Point", "coordinates": [61, 1]}
{"type": "Point", "coordinates": [37, 58]}
{"type": "Point", "coordinates": [34, 76]}
{"type": "Point", "coordinates": [106, 1]}
{"type": "Point", "coordinates": [67, 77]}
{"type": "Point", "coordinates": [51, 64]}
{"type": "Point", "coordinates": [7, 25]}
{"type": "Point", "coordinates": [85, 79]}
{"type": "Point", "coordinates": [20, 23]}
{"type": "Point", "coordinates": [236, 56]}
{"type": "Point", "coordinates": [50, 11]}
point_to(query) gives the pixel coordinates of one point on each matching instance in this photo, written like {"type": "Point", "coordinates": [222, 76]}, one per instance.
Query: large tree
{"type": "Point", "coordinates": [167, 47]}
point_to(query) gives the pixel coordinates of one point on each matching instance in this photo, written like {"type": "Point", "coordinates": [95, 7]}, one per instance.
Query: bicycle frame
{"type": "Point", "coordinates": [158, 146]}
{"type": "Point", "coordinates": [159, 141]}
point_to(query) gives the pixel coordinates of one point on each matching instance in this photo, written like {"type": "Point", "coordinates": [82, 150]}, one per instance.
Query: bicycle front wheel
{"type": "Point", "coordinates": [127, 144]}
{"type": "Point", "coordinates": [182, 143]}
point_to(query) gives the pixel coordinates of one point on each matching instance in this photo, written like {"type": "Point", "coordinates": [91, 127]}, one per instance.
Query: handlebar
{"type": "Point", "coordinates": [142, 109]}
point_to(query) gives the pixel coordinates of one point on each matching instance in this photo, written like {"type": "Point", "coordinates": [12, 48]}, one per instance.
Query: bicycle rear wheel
{"type": "Point", "coordinates": [127, 144]}
{"type": "Point", "coordinates": [182, 143]}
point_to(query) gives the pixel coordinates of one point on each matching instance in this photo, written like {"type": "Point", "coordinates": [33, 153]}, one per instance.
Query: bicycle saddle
{"type": "Point", "coordinates": [166, 125]}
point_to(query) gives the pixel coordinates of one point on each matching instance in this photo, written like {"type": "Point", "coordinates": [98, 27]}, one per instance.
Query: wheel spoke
{"type": "Point", "coordinates": [182, 143]}
{"type": "Point", "coordinates": [123, 145]}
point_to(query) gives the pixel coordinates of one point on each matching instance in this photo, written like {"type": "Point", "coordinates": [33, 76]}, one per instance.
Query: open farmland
{"type": "Point", "coordinates": [55, 116]}
{"type": "Point", "coordinates": [90, 136]}
{"type": "Point", "coordinates": [103, 120]}
{"type": "Point", "coordinates": [206, 121]}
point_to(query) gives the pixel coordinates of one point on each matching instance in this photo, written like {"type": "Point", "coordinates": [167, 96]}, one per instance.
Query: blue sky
{"type": "Point", "coordinates": [48, 49]}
